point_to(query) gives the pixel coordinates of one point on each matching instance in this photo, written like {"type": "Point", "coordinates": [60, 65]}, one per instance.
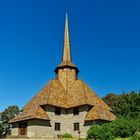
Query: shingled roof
{"type": "Point", "coordinates": [33, 112]}
{"type": "Point", "coordinates": [55, 93]}
{"type": "Point", "coordinates": [99, 113]}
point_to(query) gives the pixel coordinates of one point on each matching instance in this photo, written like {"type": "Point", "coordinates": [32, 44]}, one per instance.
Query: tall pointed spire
{"type": "Point", "coordinates": [66, 51]}
{"type": "Point", "coordinates": [66, 57]}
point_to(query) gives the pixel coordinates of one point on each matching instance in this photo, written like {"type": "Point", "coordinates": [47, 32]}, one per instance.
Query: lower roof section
{"type": "Point", "coordinates": [54, 94]}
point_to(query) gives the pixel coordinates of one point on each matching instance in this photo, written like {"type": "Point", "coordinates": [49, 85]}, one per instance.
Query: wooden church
{"type": "Point", "coordinates": [65, 105]}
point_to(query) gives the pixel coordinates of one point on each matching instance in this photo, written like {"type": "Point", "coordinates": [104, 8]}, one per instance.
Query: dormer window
{"type": "Point", "coordinates": [76, 111]}
{"type": "Point", "coordinates": [57, 111]}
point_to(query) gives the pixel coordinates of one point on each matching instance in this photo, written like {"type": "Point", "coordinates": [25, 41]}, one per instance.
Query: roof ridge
{"type": "Point", "coordinates": [50, 89]}
{"type": "Point", "coordinates": [36, 111]}
{"type": "Point", "coordinates": [40, 110]}
{"type": "Point", "coordinates": [66, 92]}
{"type": "Point", "coordinates": [100, 113]}
{"type": "Point", "coordinates": [84, 90]}
{"type": "Point", "coordinates": [94, 94]}
{"type": "Point", "coordinates": [61, 84]}
{"type": "Point", "coordinates": [72, 85]}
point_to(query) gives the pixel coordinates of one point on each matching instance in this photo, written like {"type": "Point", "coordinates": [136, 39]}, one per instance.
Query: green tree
{"type": "Point", "coordinates": [5, 116]}
{"type": "Point", "coordinates": [1, 130]}
{"type": "Point", "coordinates": [125, 104]}
{"type": "Point", "coordinates": [111, 99]}
{"type": "Point", "coordinates": [9, 113]}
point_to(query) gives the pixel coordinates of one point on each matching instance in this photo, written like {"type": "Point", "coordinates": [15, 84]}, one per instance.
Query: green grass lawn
{"type": "Point", "coordinates": [122, 139]}
{"type": "Point", "coordinates": [85, 139]}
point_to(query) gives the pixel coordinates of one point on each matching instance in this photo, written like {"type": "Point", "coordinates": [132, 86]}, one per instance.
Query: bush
{"type": "Point", "coordinates": [107, 132]}
{"type": "Point", "coordinates": [125, 127]}
{"type": "Point", "coordinates": [119, 128]}
{"type": "Point", "coordinates": [100, 133]}
{"type": "Point", "coordinates": [94, 132]}
{"type": "Point", "coordinates": [67, 135]}
{"type": "Point", "coordinates": [136, 136]}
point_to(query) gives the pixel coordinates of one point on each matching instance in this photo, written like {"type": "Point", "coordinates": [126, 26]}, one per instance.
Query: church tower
{"type": "Point", "coordinates": [66, 72]}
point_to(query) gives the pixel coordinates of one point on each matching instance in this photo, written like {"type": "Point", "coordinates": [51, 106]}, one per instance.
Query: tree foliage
{"type": "Point", "coordinates": [136, 136]}
{"type": "Point", "coordinates": [100, 132]}
{"type": "Point", "coordinates": [127, 107]}
{"type": "Point", "coordinates": [9, 113]}
{"type": "Point", "coordinates": [125, 104]}
{"type": "Point", "coordinates": [1, 130]}
{"type": "Point", "coordinates": [119, 128]}
{"type": "Point", "coordinates": [5, 116]}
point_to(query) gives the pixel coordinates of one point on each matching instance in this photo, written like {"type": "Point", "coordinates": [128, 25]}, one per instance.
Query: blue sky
{"type": "Point", "coordinates": [105, 43]}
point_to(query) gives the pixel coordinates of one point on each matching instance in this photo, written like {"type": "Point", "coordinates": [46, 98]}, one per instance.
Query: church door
{"type": "Point", "coordinates": [22, 128]}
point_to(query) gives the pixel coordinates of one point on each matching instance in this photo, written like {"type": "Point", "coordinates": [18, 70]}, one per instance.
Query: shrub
{"type": "Point", "coordinates": [119, 128]}
{"type": "Point", "coordinates": [136, 136]}
{"type": "Point", "coordinates": [124, 127]}
{"type": "Point", "coordinates": [67, 135]}
{"type": "Point", "coordinates": [100, 133]}
{"type": "Point", "coordinates": [94, 132]}
{"type": "Point", "coordinates": [107, 132]}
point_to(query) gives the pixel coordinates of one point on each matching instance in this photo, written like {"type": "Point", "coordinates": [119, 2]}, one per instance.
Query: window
{"type": "Point", "coordinates": [57, 111]}
{"type": "Point", "coordinates": [57, 126]}
{"type": "Point", "coordinates": [76, 126]}
{"type": "Point", "coordinates": [76, 111]}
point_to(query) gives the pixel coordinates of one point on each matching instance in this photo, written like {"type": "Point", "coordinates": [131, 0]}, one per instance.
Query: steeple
{"type": "Point", "coordinates": [66, 57]}
{"type": "Point", "coordinates": [66, 51]}
{"type": "Point", "coordinates": [66, 72]}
